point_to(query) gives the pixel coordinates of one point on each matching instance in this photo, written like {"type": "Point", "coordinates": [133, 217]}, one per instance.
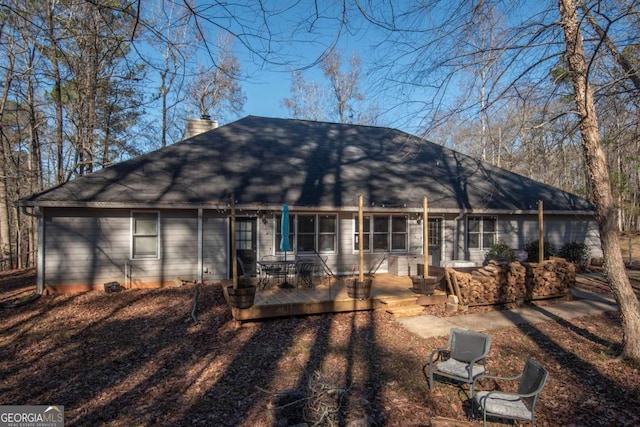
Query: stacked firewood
{"type": "Point", "coordinates": [502, 282]}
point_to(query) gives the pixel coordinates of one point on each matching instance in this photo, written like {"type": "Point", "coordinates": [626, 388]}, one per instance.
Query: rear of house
{"type": "Point", "coordinates": [166, 215]}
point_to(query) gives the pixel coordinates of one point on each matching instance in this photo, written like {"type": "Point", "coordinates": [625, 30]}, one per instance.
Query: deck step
{"type": "Point", "coordinates": [393, 302]}
{"type": "Point", "coordinates": [406, 311]}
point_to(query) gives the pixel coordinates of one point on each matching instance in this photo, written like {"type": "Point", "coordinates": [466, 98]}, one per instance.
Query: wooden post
{"type": "Point", "coordinates": [456, 287]}
{"type": "Point", "coordinates": [425, 237]}
{"type": "Point", "coordinates": [447, 275]}
{"type": "Point", "coordinates": [360, 236]}
{"type": "Point", "coordinates": [234, 262]}
{"type": "Point", "coordinates": [541, 231]}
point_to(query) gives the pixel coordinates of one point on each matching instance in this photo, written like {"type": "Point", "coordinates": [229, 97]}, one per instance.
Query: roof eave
{"type": "Point", "coordinates": [262, 207]}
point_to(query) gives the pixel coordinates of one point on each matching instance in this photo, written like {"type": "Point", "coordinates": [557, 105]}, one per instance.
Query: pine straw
{"type": "Point", "coordinates": [137, 358]}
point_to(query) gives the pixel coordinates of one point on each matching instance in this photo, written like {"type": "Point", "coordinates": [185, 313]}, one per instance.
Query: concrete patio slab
{"type": "Point", "coordinates": [586, 304]}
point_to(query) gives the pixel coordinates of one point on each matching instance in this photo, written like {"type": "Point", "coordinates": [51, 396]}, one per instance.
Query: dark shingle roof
{"type": "Point", "coordinates": [305, 163]}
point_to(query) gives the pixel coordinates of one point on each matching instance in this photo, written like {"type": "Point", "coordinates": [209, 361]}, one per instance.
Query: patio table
{"type": "Point", "coordinates": [273, 271]}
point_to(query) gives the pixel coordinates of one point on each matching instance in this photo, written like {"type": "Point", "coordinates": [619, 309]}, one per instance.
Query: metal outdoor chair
{"type": "Point", "coordinates": [273, 269]}
{"type": "Point", "coordinates": [306, 270]}
{"type": "Point", "coordinates": [463, 359]}
{"type": "Point", "coordinates": [520, 405]}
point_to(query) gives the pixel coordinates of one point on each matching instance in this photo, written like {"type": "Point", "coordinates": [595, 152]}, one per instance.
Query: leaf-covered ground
{"type": "Point", "coordinates": [137, 358]}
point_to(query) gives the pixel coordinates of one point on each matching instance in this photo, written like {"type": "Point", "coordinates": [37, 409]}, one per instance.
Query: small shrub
{"type": "Point", "coordinates": [577, 253]}
{"type": "Point", "coordinates": [532, 250]}
{"type": "Point", "coordinates": [501, 250]}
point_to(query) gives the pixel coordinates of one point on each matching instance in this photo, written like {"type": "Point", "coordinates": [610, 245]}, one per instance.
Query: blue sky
{"type": "Point", "coordinates": [267, 85]}
{"type": "Point", "coordinates": [407, 104]}
{"type": "Point", "coordinates": [266, 89]}
{"type": "Point", "coordinates": [297, 36]}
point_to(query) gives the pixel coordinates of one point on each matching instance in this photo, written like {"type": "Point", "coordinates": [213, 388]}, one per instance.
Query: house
{"type": "Point", "coordinates": [166, 214]}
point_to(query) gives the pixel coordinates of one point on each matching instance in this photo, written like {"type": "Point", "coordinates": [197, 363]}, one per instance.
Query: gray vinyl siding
{"type": "Point", "coordinates": [85, 246]}
{"type": "Point", "coordinates": [215, 242]}
{"type": "Point", "coordinates": [454, 237]}
{"type": "Point", "coordinates": [347, 260]}
{"type": "Point", "coordinates": [93, 246]}
{"type": "Point", "coordinates": [574, 229]}
{"type": "Point", "coordinates": [518, 230]}
{"type": "Point", "coordinates": [178, 251]}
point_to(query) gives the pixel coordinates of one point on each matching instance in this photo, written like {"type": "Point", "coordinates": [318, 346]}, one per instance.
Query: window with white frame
{"type": "Point", "coordinates": [380, 233]}
{"type": "Point", "coordinates": [306, 238]}
{"type": "Point", "coordinates": [399, 233]}
{"type": "Point", "coordinates": [383, 233]}
{"type": "Point", "coordinates": [327, 233]}
{"type": "Point", "coordinates": [145, 235]}
{"type": "Point", "coordinates": [312, 233]}
{"type": "Point", "coordinates": [481, 232]}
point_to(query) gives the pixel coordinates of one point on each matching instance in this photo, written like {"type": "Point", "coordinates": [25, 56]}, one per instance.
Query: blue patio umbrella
{"type": "Point", "coordinates": [285, 245]}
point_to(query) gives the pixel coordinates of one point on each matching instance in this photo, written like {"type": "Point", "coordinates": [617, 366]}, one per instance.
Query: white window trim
{"type": "Point", "coordinates": [481, 232]}
{"type": "Point", "coordinates": [336, 234]}
{"type": "Point", "coordinates": [131, 236]}
{"type": "Point", "coordinates": [389, 234]}
{"type": "Point", "coordinates": [406, 235]}
{"type": "Point", "coordinates": [317, 234]}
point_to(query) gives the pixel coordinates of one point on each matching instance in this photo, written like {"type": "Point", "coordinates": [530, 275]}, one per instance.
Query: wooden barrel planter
{"type": "Point", "coordinates": [424, 285]}
{"type": "Point", "coordinates": [359, 290]}
{"type": "Point", "coordinates": [241, 297]}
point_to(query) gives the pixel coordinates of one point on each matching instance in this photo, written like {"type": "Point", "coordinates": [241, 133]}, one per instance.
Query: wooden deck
{"type": "Point", "coordinates": [328, 297]}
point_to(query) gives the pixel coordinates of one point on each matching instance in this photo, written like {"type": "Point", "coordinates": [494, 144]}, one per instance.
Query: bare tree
{"type": "Point", "coordinates": [52, 51]}
{"type": "Point", "coordinates": [9, 48]}
{"type": "Point", "coordinates": [217, 90]}
{"type": "Point", "coordinates": [311, 100]}
{"type": "Point", "coordinates": [529, 51]}
{"type": "Point", "coordinates": [344, 84]}
{"type": "Point", "coordinates": [176, 41]}
{"type": "Point", "coordinates": [20, 120]}
{"type": "Point", "coordinates": [599, 171]}
{"type": "Point", "coordinates": [308, 99]}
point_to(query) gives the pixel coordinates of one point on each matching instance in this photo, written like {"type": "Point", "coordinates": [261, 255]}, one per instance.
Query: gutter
{"type": "Point", "coordinates": [223, 206]}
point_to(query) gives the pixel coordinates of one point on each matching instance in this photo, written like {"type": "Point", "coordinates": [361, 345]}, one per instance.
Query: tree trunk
{"type": "Point", "coordinates": [598, 170]}
{"type": "Point", "coordinates": [35, 178]}
{"type": "Point", "coordinates": [57, 97]}
{"type": "Point", "coordinates": [163, 93]}
{"type": "Point", "coordinates": [5, 237]}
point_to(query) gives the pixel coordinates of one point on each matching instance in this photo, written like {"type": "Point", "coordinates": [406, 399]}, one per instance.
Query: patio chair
{"type": "Point", "coordinates": [306, 270]}
{"type": "Point", "coordinates": [463, 359]}
{"type": "Point", "coordinates": [520, 405]}
{"type": "Point", "coordinates": [273, 269]}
